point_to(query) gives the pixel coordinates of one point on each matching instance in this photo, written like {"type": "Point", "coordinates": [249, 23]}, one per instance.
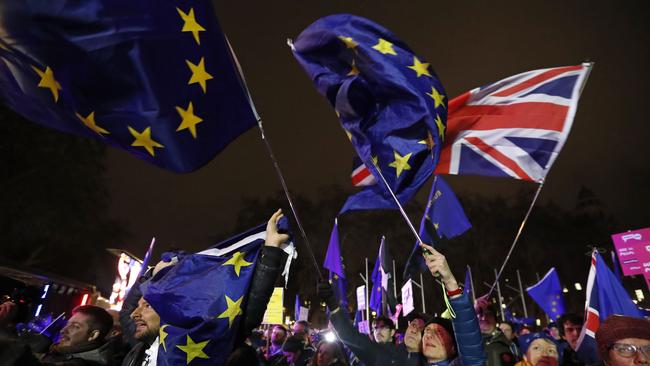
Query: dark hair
{"type": "Point", "coordinates": [511, 324]}
{"type": "Point", "coordinates": [281, 327]}
{"type": "Point", "coordinates": [448, 326]}
{"type": "Point", "coordinates": [414, 315]}
{"type": "Point", "coordinates": [568, 317]}
{"type": "Point", "coordinates": [243, 355]}
{"type": "Point", "coordinates": [303, 322]}
{"type": "Point", "coordinates": [386, 320]}
{"type": "Point", "coordinates": [338, 354]}
{"type": "Point", "coordinates": [99, 319]}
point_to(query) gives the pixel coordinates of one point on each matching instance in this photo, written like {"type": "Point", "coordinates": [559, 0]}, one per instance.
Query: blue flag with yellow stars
{"type": "Point", "coordinates": [547, 293]}
{"type": "Point", "coordinates": [200, 300]}
{"type": "Point", "coordinates": [389, 100]}
{"type": "Point", "coordinates": [382, 297]}
{"type": "Point", "coordinates": [155, 78]}
{"type": "Point", "coordinates": [334, 264]}
{"type": "Point", "coordinates": [443, 217]}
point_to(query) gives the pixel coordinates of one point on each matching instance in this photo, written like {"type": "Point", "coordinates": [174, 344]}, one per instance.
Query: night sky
{"type": "Point", "coordinates": [469, 44]}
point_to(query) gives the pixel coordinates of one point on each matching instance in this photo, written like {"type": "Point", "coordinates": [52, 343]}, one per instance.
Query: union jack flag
{"type": "Point", "coordinates": [361, 176]}
{"type": "Point", "coordinates": [515, 127]}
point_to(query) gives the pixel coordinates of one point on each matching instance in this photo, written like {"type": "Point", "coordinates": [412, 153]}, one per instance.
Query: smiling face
{"type": "Point", "coordinates": [147, 321]}
{"type": "Point", "coordinates": [437, 344]}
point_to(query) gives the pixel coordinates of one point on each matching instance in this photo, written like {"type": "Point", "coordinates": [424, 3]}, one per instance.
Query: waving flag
{"type": "Point", "coordinates": [334, 263]}
{"type": "Point", "coordinates": [361, 176]}
{"type": "Point", "coordinates": [547, 293]}
{"type": "Point", "coordinates": [156, 79]}
{"type": "Point", "coordinates": [605, 296]}
{"type": "Point", "coordinates": [389, 100]}
{"type": "Point", "coordinates": [515, 127]}
{"type": "Point", "coordinates": [201, 300]}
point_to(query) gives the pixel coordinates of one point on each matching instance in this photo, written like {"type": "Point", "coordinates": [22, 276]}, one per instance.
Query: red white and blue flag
{"type": "Point", "coordinates": [361, 176]}
{"type": "Point", "coordinates": [515, 127]}
{"type": "Point", "coordinates": [605, 296]}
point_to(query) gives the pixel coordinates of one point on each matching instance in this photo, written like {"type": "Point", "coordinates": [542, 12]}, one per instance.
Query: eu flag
{"type": "Point", "coordinates": [155, 78]}
{"type": "Point", "coordinates": [334, 263]}
{"type": "Point", "coordinates": [547, 293]}
{"type": "Point", "coordinates": [200, 300]}
{"type": "Point", "coordinates": [381, 295]}
{"type": "Point", "coordinates": [389, 100]}
{"type": "Point", "coordinates": [443, 217]}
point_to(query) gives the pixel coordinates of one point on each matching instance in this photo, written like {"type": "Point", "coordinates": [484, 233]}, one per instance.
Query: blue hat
{"type": "Point", "coordinates": [526, 339]}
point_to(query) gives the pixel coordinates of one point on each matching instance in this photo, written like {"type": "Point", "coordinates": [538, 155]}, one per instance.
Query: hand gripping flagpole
{"type": "Point", "coordinates": [589, 66]}
{"type": "Point", "coordinates": [267, 143]}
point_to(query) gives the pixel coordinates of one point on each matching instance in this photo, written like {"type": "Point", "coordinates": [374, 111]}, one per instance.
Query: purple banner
{"type": "Point", "coordinates": [633, 250]}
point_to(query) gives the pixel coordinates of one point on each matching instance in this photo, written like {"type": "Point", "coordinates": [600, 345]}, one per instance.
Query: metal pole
{"type": "Point", "coordinates": [514, 243]}
{"type": "Point", "coordinates": [424, 306]}
{"type": "Point", "coordinates": [367, 295]}
{"type": "Point", "coordinates": [521, 292]}
{"type": "Point", "coordinates": [471, 284]}
{"type": "Point", "coordinates": [394, 281]}
{"type": "Point", "coordinates": [496, 275]}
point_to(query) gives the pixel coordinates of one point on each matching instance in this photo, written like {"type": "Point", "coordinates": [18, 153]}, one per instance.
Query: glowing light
{"type": "Point", "coordinates": [46, 288]}
{"type": "Point", "coordinates": [578, 286]}
{"type": "Point", "coordinates": [84, 300]}
{"type": "Point", "coordinates": [330, 337]}
{"type": "Point", "coordinates": [38, 309]}
{"type": "Point", "coordinates": [565, 290]}
{"type": "Point", "coordinates": [538, 322]}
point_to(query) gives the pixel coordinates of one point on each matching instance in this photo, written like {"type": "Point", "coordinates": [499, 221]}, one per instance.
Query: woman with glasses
{"type": "Point", "coordinates": [624, 341]}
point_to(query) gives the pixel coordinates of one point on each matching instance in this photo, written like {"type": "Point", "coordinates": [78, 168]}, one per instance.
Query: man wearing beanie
{"type": "Point", "coordinates": [624, 341]}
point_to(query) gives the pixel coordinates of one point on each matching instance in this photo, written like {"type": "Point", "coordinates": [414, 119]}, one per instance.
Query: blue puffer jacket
{"type": "Point", "coordinates": [468, 335]}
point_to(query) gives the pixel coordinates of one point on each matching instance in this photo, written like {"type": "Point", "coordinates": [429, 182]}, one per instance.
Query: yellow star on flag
{"type": "Point", "coordinates": [188, 119]}
{"type": "Point", "coordinates": [48, 81]}
{"type": "Point", "coordinates": [237, 261]}
{"type": "Point", "coordinates": [421, 68]}
{"type": "Point", "coordinates": [385, 47]}
{"type": "Point", "coordinates": [349, 42]}
{"type": "Point", "coordinates": [428, 141]}
{"type": "Point", "coordinates": [437, 97]}
{"type": "Point", "coordinates": [436, 225]}
{"type": "Point", "coordinates": [193, 350]}
{"type": "Point", "coordinates": [375, 160]}
{"type": "Point", "coordinates": [90, 123]}
{"type": "Point", "coordinates": [144, 139]}
{"type": "Point", "coordinates": [441, 127]}
{"type": "Point", "coordinates": [190, 24]}
{"type": "Point", "coordinates": [354, 70]}
{"type": "Point", "coordinates": [199, 75]}
{"type": "Point", "coordinates": [401, 162]}
{"type": "Point", "coordinates": [163, 335]}
{"type": "Point", "coordinates": [232, 311]}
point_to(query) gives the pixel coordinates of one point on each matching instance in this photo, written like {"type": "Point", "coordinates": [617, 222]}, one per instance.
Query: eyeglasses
{"type": "Point", "coordinates": [630, 350]}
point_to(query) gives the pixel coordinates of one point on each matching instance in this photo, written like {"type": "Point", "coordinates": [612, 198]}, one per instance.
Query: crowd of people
{"type": "Point", "coordinates": [470, 335]}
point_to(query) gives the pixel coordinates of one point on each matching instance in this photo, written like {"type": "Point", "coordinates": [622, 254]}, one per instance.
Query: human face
{"type": "Point", "coordinates": [507, 330]}
{"type": "Point", "coordinates": [278, 335]}
{"type": "Point", "coordinates": [382, 332]}
{"type": "Point", "coordinates": [413, 335]}
{"type": "Point", "coordinates": [487, 322]}
{"type": "Point", "coordinates": [147, 321]}
{"type": "Point", "coordinates": [300, 330]}
{"type": "Point", "coordinates": [437, 344]}
{"type": "Point", "coordinates": [554, 332]}
{"type": "Point", "coordinates": [291, 356]}
{"type": "Point", "coordinates": [326, 354]}
{"type": "Point", "coordinates": [77, 331]}
{"type": "Point", "coordinates": [621, 354]}
{"type": "Point", "coordinates": [572, 333]}
{"type": "Point", "coordinates": [542, 352]}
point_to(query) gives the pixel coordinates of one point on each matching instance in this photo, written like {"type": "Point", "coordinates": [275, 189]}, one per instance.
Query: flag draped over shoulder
{"type": "Point", "coordinates": [443, 217]}
{"type": "Point", "coordinates": [389, 101]}
{"type": "Point", "coordinates": [381, 296]}
{"type": "Point", "coordinates": [155, 78]}
{"type": "Point", "coordinates": [334, 264]}
{"type": "Point", "coordinates": [200, 300]}
{"type": "Point", "coordinates": [547, 293]}
{"type": "Point", "coordinates": [605, 296]}
{"type": "Point", "coordinates": [514, 127]}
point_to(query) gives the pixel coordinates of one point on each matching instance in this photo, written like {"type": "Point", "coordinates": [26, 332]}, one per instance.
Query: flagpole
{"type": "Point", "coordinates": [275, 162]}
{"type": "Point", "coordinates": [394, 281]}
{"type": "Point", "coordinates": [521, 292]}
{"type": "Point", "coordinates": [514, 243]}
{"type": "Point", "coordinates": [471, 284]}
{"type": "Point", "coordinates": [367, 279]}
{"type": "Point", "coordinates": [496, 275]}
{"type": "Point", "coordinates": [424, 307]}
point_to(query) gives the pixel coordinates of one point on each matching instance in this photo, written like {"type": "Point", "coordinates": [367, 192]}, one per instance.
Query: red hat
{"type": "Point", "coordinates": [617, 327]}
